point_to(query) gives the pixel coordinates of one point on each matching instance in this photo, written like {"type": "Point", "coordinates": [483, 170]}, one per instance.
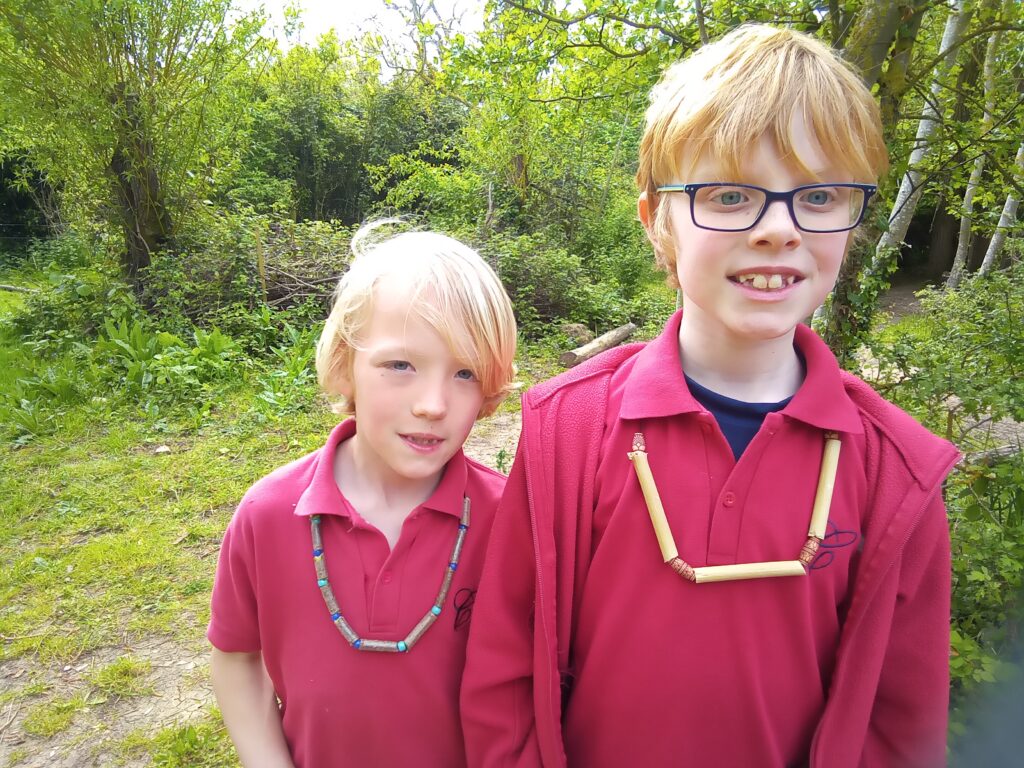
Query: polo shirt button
{"type": "Point", "coordinates": [386, 578]}
{"type": "Point", "coordinates": [729, 498]}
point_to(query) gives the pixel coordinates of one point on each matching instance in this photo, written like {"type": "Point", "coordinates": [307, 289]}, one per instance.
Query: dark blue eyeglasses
{"type": "Point", "coordinates": [726, 207]}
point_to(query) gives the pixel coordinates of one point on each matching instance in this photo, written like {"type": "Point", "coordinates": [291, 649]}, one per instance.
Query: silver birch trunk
{"type": "Point", "coordinates": [963, 242]}
{"type": "Point", "coordinates": [913, 184]}
{"type": "Point", "coordinates": [1005, 220]}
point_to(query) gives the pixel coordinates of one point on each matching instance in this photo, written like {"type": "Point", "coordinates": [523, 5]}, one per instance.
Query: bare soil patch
{"type": "Point", "coordinates": [179, 680]}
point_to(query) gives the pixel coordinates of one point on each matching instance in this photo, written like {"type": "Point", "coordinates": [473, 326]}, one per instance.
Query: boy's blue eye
{"type": "Point", "coordinates": [818, 197]}
{"type": "Point", "coordinates": [466, 375]}
{"type": "Point", "coordinates": [398, 365]}
{"type": "Point", "coordinates": [730, 197]}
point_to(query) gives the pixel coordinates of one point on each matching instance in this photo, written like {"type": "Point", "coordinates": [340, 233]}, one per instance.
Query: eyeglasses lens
{"type": "Point", "coordinates": [817, 209]}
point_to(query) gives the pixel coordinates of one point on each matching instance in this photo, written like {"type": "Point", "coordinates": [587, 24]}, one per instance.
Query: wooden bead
{"type": "Point", "coordinates": [809, 550]}
{"type": "Point", "coordinates": [417, 632]}
{"type": "Point", "coordinates": [749, 571]}
{"type": "Point", "coordinates": [683, 568]}
{"type": "Point", "coordinates": [379, 646]}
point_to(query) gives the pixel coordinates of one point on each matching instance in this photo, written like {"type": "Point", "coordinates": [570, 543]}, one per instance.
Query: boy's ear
{"type": "Point", "coordinates": [643, 210]}
{"type": "Point", "coordinates": [646, 211]}
{"type": "Point", "coordinates": [344, 386]}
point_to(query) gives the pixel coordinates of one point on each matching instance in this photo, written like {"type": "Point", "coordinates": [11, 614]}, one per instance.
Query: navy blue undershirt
{"type": "Point", "coordinates": [739, 421]}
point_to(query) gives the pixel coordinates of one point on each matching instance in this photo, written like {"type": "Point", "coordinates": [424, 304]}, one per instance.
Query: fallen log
{"type": "Point", "coordinates": [606, 341]}
{"type": "Point", "coordinates": [17, 289]}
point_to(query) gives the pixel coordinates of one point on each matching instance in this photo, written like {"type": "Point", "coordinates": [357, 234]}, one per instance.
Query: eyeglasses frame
{"type": "Point", "coordinates": [769, 198]}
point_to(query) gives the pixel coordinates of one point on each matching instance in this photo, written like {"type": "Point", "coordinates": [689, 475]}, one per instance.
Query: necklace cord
{"type": "Point", "coordinates": [417, 632]}
{"type": "Point", "coordinates": [739, 571]}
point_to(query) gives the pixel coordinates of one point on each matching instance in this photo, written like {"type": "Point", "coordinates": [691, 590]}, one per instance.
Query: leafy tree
{"type": "Point", "coordinates": [129, 106]}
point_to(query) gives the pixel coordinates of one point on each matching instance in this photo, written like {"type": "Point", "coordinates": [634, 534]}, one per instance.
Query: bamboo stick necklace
{"type": "Point", "coordinates": [798, 567]}
{"type": "Point", "coordinates": [386, 646]}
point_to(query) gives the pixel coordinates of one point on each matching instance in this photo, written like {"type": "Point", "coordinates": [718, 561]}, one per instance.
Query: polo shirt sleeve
{"type": "Point", "coordinates": [234, 615]}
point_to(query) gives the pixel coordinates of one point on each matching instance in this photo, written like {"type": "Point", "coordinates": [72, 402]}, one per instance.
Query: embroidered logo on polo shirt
{"type": "Point", "coordinates": [463, 602]}
{"type": "Point", "coordinates": [835, 538]}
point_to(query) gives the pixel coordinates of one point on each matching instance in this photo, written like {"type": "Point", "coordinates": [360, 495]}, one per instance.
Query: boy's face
{"type": "Point", "coordinates": [415, 402]}
{"type": "Point", "coordinates": [759, 284]}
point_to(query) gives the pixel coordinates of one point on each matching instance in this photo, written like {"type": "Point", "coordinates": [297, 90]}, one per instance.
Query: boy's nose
{"type": "Point", "coordinates": [431, 403]}
{"type": "Point", "coordinates": [776, 228]}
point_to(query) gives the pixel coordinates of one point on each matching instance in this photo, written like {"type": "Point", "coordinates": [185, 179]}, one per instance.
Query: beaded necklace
{"type": "Point", "coordinates": [385, 646]}
{"type": "Point", "coordinates": [798, 567]}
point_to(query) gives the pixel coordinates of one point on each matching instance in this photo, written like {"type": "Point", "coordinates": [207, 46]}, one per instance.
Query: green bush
{"type": "Point", "coordinates": [72, 308]}
{"type": "Point", "coordinates": [289, 383]}
{"type": "Point", "coordinates": [985, 502]}
{"type": "Point", "coordinates": [956, 367]}
{"type": "Point", "coordinates": [162, 367]}
{"type": "Point", "coordinates": [960, 366]}
{"type": "Point", "coordinates": [548, 283]}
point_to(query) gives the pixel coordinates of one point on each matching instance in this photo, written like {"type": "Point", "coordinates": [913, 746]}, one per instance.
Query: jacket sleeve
{"type": "Point", "coordinates": [909, 716]}
{"type": "Point", "coordinates": [497, 686]}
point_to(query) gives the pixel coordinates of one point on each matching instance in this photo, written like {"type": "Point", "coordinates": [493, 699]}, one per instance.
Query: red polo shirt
{"type": "Point", "coordinates": [341, 706]}
{"type": "Point", "coordinates": [743, 667]}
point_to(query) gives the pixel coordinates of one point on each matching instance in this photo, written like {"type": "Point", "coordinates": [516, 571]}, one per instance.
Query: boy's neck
{"type": "Point", "coordinates": [381, 501]}
{"type": "Point", "coordinates": [752, 371]}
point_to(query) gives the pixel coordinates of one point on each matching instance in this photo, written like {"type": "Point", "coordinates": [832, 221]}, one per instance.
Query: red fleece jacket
{"type": "Point", "coordinates": [887, 700]}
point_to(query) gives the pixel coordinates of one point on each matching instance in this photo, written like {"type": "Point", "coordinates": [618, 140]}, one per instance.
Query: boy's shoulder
{"type": "Point", "coordinates": [586, 378]}
{"type": "Point", "coordinates": [280, 489]}
{"type": "Point", "coordinates": [482, 477]}
{"type": "Point", "coordinates": [890, 429]}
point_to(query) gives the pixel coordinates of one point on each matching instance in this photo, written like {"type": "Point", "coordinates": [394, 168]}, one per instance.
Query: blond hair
{"type": "Point", "coordinates": [753, 82]}
{"type": "Point", "coordinates": [450, 287]}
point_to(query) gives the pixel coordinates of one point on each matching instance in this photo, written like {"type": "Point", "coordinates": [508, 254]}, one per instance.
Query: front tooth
{"type": "Point", "coordinates": [760, 281]}
{"type": "Point", "coordinates": [775, 281]}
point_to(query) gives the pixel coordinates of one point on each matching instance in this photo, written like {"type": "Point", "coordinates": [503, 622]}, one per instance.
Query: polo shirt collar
{"type": "Point", "coordinates": [656, 387]}
{"type": "Point", "coordinates": [821, 400]}
{"type": "Point", "coordinates": [323, 497]}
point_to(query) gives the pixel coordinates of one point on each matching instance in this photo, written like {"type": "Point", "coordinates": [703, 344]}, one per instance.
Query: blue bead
{"type": "Point", "coordinates": [317, 552]}
{"type": "Point", "coordinates": [402, 647]}
{"type": "Point", "coordinates": [321, 582]}
{"type": "Point", "coordinates": [316, 519]}
{"type": "Point", "coordinates": [463, 527]}
{"type": "Point", "coordinates": [357, 644]}
{"type": "Point", "coordinates": [453, 566]}
{"type": "Point", "coordinates": [335, 616]}
{"type": "Point", "coordinates": [436, 610]}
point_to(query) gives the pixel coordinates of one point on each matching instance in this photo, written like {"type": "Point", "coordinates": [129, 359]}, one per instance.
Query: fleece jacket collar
{"type": "Point", "coordinates": [655, 387]}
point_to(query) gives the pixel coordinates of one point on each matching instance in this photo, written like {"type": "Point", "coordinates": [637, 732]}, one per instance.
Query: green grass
{"type": "Point", "coordinates": [908, 327]}
{"type": "Point", "coordinates": [51, 717]}
{"type": "Point", "coordinates": [124, 677]}
{"type": "Point", "coordinates": [203, 744]}
{"type": "Point", "coordinates": [17, 757]}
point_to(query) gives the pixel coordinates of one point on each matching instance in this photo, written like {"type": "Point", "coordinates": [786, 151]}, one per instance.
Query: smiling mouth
{"type": "Point", "coordinates": [765, 282]}
{"type": "Point", "coordinates": [423, 441]}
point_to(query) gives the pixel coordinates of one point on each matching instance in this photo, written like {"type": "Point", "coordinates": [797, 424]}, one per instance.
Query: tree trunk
{"type": "Point", "coordinates": [892, 83]}
{"type": "Point", "coordinates": [871, 38]}
{"type": "Point", "coordinates": [144, 217]}
{"type": "Point", "coordinates": [963, 244]}
{"type": "Point", "coordinates": [1006, 220]}
{"type": "Point", "coordinates": [942, 242]}
{"type": "Point", "coordinates": [840, 321]}
{"type": "Point", "coordinates": [913, 183]}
